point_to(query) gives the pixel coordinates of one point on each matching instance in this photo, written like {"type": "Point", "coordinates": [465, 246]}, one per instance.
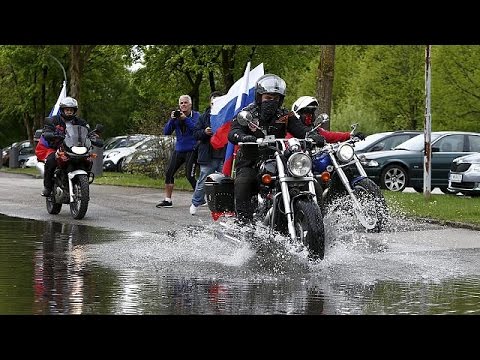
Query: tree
{"type": "Point", "coordinates": [326, 69]}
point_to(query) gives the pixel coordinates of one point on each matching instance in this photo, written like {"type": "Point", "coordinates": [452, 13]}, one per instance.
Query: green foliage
{"type": "Point", "coordinates": [455, 87]}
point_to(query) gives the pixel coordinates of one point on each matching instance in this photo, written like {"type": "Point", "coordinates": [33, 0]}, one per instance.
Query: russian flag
{"type": "Point", "coordinates": [227, 106]}
{"type": "Point", "coordinates": [63, 94]}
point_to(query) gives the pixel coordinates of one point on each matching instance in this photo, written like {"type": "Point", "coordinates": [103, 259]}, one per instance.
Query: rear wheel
{"type": "Point", "coordinates": [81, 196]}
{"type": "Point", "coordinates": [52, 207]}
{"type": "Point", "coordinates": [309, 228]}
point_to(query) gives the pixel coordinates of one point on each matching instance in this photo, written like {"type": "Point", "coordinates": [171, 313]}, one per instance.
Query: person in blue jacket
{"type": "Point", "coordinates": [209, 159]}
{"type": "Point", "coordinates": [183, 122]}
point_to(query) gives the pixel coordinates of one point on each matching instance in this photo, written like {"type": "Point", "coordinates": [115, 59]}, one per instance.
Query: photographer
{"type": "Point", "coordinates": [183, 122]}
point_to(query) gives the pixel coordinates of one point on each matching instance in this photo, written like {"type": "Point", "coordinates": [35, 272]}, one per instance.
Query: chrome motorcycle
{"type": "Point", "coordinates": [286, 201]}
{"type": "Point", "coordinates": [345, 184]}
{"type": "Point", "coordinates": [73, 175]}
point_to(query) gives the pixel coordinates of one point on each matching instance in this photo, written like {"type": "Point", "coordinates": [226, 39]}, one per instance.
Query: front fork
{"type": "Point", "coordinates": [71, 175]}
{"type": "Point", "coordinates": [357, 207]}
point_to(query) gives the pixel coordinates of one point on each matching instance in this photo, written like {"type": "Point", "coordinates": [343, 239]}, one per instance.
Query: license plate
{"type": "Point", "coordinates": [456, 177]}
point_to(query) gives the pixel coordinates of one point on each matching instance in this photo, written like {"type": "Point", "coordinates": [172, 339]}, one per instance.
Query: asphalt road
{"type": "Point", "coordinates": [112, 207]}
{"type": "Point", "coordinates": [133, 209]}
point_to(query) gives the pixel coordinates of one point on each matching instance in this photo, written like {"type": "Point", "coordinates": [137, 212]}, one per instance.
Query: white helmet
{"type": "Point", "coordinates": [304, 102]}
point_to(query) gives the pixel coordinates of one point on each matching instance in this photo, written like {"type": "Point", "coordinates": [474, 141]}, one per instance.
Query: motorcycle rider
{"type": "Point", "coordinates": [267, 113]}
{"type": "Point", "coordinates": [304, 109]}
{"type": "Point", "coordinates": [52, 137]}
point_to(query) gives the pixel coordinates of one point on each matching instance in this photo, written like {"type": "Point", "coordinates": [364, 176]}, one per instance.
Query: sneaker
{"type": "Point", "coordinates": [204, 204]}
{"type": "Point", "coordinates": [193, 209]}
{"type": "Point", "coordinates": [46, 192]}
{"type": "Point", "coordinates": [164, 204]}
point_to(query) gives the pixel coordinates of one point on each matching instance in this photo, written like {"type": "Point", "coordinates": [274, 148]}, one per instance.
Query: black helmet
{"type": "Point", "coordinates": [270, 84]}
{"type": "Point", "coordinates": [68, 102]}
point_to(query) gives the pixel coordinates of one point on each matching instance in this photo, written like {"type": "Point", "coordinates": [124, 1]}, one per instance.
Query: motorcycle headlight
{"type": "Point", "coordinates": [345, 153]}
{"type": "Point", "coordinates": [79, 150]}
{"type": "Point", "coordinates": [299, 164]}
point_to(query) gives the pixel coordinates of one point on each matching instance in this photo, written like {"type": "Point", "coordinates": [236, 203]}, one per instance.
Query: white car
{"type": "Point", "coordinates": [113, 159]}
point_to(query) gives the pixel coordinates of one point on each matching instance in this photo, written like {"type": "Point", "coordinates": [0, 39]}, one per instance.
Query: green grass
{"type": "Point", "coordinates": [453, 208]}
{"type": "Point", "coordinates": [439, 207]}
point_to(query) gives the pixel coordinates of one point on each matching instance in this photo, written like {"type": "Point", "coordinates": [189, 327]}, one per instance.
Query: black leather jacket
{"type": "Point", "coordinates": [284, 121]}
{"type": "Point", "coordinates": [56, 125]}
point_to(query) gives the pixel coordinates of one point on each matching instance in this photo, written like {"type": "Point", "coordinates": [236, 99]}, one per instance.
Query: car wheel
{"type": "Point", "coordinates": [394, 178]}
{"type": "Point", "coordinates": [120, 165]}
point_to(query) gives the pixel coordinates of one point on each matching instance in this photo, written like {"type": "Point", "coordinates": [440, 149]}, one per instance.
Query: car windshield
{"type": "Point", "coordinates": [127, 142]}
{"type": "Point", "coordinates": [416, 143]}
{"type": "Point", "coordinates": [369, 140]}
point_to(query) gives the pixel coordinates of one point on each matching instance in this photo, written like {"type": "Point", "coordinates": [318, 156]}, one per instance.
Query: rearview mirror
{"type": "Point", "coordinates": [244, 117]}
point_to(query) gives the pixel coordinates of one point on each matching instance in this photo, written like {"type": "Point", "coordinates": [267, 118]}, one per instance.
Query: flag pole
{"type": "Point", "coordinates": [63, 69]}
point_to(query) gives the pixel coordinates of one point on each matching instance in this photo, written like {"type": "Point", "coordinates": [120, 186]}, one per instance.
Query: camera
{"type": "Point", "coordinates": [176, 113]}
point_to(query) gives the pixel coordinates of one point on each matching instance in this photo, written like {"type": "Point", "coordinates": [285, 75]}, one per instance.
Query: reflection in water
{"type": "Point", "coordinates": [59, 269]}
{"type": "Point", "coordinates": [53, 268]}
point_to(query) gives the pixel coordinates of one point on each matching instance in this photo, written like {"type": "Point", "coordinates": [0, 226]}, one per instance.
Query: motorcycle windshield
{"type": "Point", "coordinates": [76, 135]}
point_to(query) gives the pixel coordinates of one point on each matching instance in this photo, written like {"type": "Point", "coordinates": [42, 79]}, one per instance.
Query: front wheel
{"type": "Point", "coordinates": [81, 196]}
{"type": "Point", "coordinates": [373, 202]}
{"type": "Point", "coordinates": [308, 223]}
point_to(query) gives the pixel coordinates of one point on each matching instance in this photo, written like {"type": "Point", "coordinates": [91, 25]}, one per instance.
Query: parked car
{"type": "Point", "coordinates": [403, 166]}
{"type": "Point", "coordinates": [384, 140]}
{"type": "Point", "coordinates": [464, 175]}
{"type": "Point", "coordinates": [25, 150]}
{"type": "Point", "coordinates": [112, 142]}
{"type": "Point", "coordinates": [151, 157]}
{"type": "Point", "coordinates": [114, 157]}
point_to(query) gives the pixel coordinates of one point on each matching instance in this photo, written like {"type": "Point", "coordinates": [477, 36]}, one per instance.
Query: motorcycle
{"type": "Point", "coordinates": [341, 174]}
{"type": "Point", "coordinates": [73, 174]}
{"type": "Point", "coordinates": [286, 201]}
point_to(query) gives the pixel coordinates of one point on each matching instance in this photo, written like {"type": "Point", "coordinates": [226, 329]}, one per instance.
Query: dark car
{"type": "Point", "coordinates": [396, 169]}
{"type": "Point", "coordinates": [465, 175]}
{"type": "Point", "coordinates": [384, 140]}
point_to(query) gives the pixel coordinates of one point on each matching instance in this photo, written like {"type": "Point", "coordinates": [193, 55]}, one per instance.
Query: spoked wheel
{"type": "Point", "coordinates": [373, 204]}
{"type": "Point", "coordinates": [309, 228]}
{"type": "Point", "coordinates": [81, 196]}
{"type": "Point", "coordinates": [52, 207]}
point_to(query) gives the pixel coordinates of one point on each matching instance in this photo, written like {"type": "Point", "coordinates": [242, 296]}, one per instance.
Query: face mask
{"type": "Point", "coordinates": [269, 108]}
{"type": "Point", "coordinates": [307, 119]}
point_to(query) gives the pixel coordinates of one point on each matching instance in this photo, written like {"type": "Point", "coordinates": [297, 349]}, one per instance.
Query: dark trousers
{"type": "Point", "coordinates": [50, 165]}
{"type": "Point", "coordinates": [177, 160]}
{"type": "Point", "coordinates": [246, 186]}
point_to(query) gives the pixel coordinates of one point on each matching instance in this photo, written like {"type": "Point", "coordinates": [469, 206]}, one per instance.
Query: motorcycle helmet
{"type": "Point", "coordinates": [270, 84]}
{"type": "Point", "coordinates": [304, 104]}
{"type": "Point", "coordinates": [68, 102]}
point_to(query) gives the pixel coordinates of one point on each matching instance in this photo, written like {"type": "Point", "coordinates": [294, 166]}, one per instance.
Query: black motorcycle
{"type": "Point", "coordinates": [73, 175]}
{"type": "Point", "coordinates": [286, 201]}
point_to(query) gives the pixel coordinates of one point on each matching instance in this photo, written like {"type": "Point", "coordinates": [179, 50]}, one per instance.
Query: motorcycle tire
{"type": "Point", "coordinates": [81, 196]}
{"type": "Point", "coordinates": [52, 207]}
{"type": "Point", "coordinates": [309, 228]}
{"type": "Point", "coordinates": [367, 190]}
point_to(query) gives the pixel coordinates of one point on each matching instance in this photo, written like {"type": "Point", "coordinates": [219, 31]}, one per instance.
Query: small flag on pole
{"type": "Point", "coordinates": [63, 94]}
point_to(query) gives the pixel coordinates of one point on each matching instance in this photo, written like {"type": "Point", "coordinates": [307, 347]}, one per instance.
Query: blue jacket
{"type": "Point", "coordinates": [205, 151]}
{"type": "Point", "coordinates": [183, 131]}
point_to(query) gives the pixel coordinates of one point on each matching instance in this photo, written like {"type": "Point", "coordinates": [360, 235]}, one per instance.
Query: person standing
{"type": "Point", "coordinates": [181, 121]}
{"type": "Point", "coordinates": [210, 160]}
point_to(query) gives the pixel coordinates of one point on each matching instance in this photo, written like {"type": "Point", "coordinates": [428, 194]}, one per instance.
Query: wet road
{"type": "Point", "coordinates": [167, 262]}
{"type": "Point", "coordinates": [133, 209]}
{"type": "Point", "coordinates": [111, 207]}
